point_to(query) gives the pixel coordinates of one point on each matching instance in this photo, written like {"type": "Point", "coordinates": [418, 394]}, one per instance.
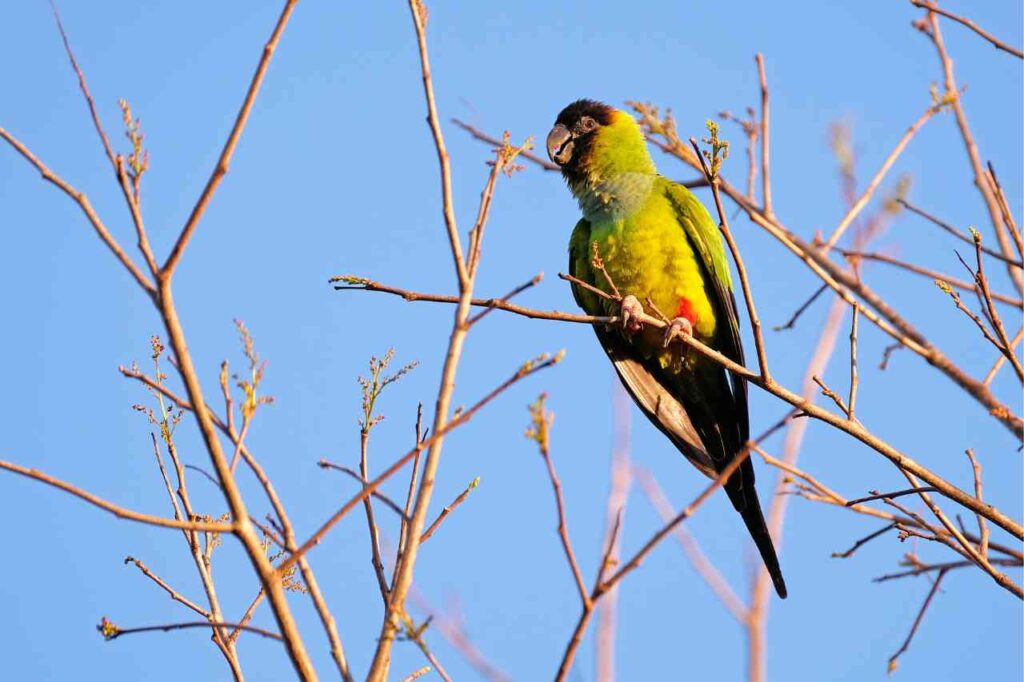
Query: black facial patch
{"type": "Point", "coordinates": [582, 118]}
{"type": "Point", "coordinates": [599, 111]}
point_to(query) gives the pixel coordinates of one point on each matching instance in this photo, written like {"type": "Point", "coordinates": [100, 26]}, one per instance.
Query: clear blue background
{"type": "Point", "coordinates": [336, 174]}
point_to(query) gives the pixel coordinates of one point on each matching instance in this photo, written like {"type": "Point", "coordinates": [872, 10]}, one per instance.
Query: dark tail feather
{"type": "Point", "coordinates": [754, 520]}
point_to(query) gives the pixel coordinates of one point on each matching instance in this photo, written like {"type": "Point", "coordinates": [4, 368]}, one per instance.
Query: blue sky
{"type": "Point", "coordinates": [336, 174]}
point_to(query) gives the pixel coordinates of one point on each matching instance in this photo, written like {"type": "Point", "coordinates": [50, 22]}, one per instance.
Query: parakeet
{"type": "Point", "coordinates": [658, 244]}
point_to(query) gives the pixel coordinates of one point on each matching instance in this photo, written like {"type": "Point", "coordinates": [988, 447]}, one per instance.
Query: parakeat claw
{"type": "Point", "coordinates": [678, 327]}
{"type": "Point", "coordinates": [631, 311]}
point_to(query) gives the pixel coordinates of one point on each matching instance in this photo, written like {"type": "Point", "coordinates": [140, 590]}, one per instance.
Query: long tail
{"type": "Point", "coordinates": [744, 498]}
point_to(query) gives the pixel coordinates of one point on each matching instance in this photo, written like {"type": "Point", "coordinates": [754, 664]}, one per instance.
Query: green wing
{"type": "Point", "coordinates": [703, 235]}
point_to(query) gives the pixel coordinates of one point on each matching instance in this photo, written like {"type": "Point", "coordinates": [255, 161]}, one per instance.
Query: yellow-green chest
{"type": "Point", "coordinates": [647, 254]}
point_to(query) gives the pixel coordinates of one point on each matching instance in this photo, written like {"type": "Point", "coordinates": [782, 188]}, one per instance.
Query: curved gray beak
{"type": "Point", "coordinates": [560, 144]}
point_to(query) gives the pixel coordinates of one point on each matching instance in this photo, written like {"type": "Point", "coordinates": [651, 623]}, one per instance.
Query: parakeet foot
{"type": "Point", "coordinates": [678, 327]}
{"type": "Point", "coordinates": [631, 312]}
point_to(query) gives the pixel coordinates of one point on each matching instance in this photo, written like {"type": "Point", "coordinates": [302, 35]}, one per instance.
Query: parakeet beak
{"type": "Point", "coordinates": [560, 144]}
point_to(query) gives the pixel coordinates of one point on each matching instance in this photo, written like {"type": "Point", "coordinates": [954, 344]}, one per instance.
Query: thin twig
{"type": "Point", "coordinates": [507, 297]}
{"type": "Point", "coordinates": [602, 585]}
{"type": "Point", "coordinates": [615, 506]}
{"type": "Point", "coordinates": [224, 161]}
{"type": "Point", "coordinates": [893, 660]}
{"type": "Point", "coordinates": [983, 531]}
{"type": "Point", "coordinates": [119, 632]}
{"type": "Point", "coordinates": [448, 509]}
{"type": "Point", "coordinates": [90, 213]}
{"type": "Point", "coordinates": [926, 272]}
{"type": "Point", "coordinates": [991, 374]}
{"type": "Point", "coordinates": [846, 284]}
{"type": "Point", "coordinates": [930, 27]}
{"type": "Point", "coordinates": [174, 594]}
{"type": "Point", "coordinates": [956, 232]}
{"type": "Point", "coordinates": [863, 541]}
{"type": "Point", "coordinates": [438, 434]}
{"type": "Point", "coordinates": [539, 431]}
{"type": "Point", "coordinates": [855, 429]}
{"type": "Point", "coordinates": [544, 163]}
{"type": "Point", "coordinates": [391, 504]}
{"type": "Point", "coordinates": [998, 44]}
{"type": "Point", "coordinates": [707, 570]}
{"type": "Point", "coordinates": [865, 197]}
{"type": "Point", "coordinates": [875, 495]}
{"type": "Point", "coordinates": [766, 182]}
{"type": "Point", "coordinates": [117, 510]}
{"type": "Point", "coordinates": [852, 403]}
{"type": "Point", "coordinates": [1004, 204]}
{"type": "Point", "coordinates": [748, 297]}
{"type": "Point", "coordinates": [992, 313]}
{"type": "Point", "coordinates": [832, 395]}
{"type": "Point", "coordinates": [800, 311]}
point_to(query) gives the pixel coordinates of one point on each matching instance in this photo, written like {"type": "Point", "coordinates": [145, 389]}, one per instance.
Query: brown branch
{"type": "Point", "coordinates": [803, 308]}
{"type": "Point", "coordinates": [930, 274]}
{"type": "Point", "coordinates": [865, 197]}
{"type": "Point", "coordinates": [116, 161]}
{"type": "Point", "coordinates": [391, 504]}
{"type": "Point", "coordinates": [714, 579]}
{"type": "Point", "coordinates": [326, 618]}
{"type": "Point", "coordinates": [851, 412]}
{"type": "Point", "coordinates": [766, 182]}
{"type": "Point", "coordinates": [90, 213]}
{"type": "Point", "coordinates": [602, 585]}
{"type": "Point", "coordinates": [434, 122]}
{"type": "Point", "coordinates": [445, 511]}
{"type": "Point", "coordinates": [991, 374]}
{"type": "Point", "coordinates": [922, 569]}
{"type": "Point", "coordinates": [507, 297]}
{"type": "Point", "coordinates": [969, 550]}
{"type": "Point", "coordinates": [111, 632]}
{"type": "Point", "coordinates": [983, 531]}
{"type": "Point", "coordinates": [863, 541]}
{"type": "Point", "coordinates": [451, 629]}
{"type": "Point", "coordinates": [750, 128]}
{"type": "Point", "coordinates": [761, 587]}
{"type": "Point", "coordinates": [539, 431]}
{"type": "Point", "coordinates": [438, 434]}
{"type": "Point", "coordinates": [620, 480]}
{"type": "Point", "coordinates": [930, 27]}
{"type": "Point", "coordinates": [371, 521]}
{"type": "Point", "coordinates": [116, 510]}
{"type": "Point", "coordinates": [832, 395]}
{"type": "Point", "coordinates": [974, 317]}
{"type": "Point", "coordinates": [410, 493]}
{"type": "Point", "coordinates": [171, 592]}
{"type": "Point", "coordinates": [992, 313]}
{"type": "Point", "coordinates": [855, 429]}
{"type": "Point", "coordinates": [1004, 205]}
{"type": "Point", "coordinates": [748, 297]}
{"type": "Point", "coordinates": [247, 616]}
{"type": "Point", "coordinates": [875, 495]}
{"type": "Point", "coordinates": [956, 232]}
{"type": "Point", "coordinates": [844, 283]}
{"type": "Point", "coordinates": [998, 44]}
{"type": "Point", "coordinates": [893, 660]}
{"type": "Point", "coordinates": [484, 137]}
{"type": "Point", "coordinates": [478, 134]}
{"type": "Point", "coordinates": [826, 495]}
{"type": "Point", "coordinates": [224, 162]}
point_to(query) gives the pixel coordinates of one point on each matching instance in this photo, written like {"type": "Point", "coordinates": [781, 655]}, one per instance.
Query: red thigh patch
{"type": "Point", "coordinates": [687, 310]}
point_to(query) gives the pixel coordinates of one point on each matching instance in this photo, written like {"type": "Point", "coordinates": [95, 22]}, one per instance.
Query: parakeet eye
{"type": "Point", "coordinates": [586, 124]}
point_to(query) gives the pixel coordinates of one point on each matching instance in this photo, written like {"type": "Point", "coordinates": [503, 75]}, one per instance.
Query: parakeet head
{"type": "Point", "coordinates": [592, 141]}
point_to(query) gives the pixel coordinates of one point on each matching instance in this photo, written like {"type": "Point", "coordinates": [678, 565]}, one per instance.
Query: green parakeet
{"type": "Point", "coordinates": [659, 244]}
